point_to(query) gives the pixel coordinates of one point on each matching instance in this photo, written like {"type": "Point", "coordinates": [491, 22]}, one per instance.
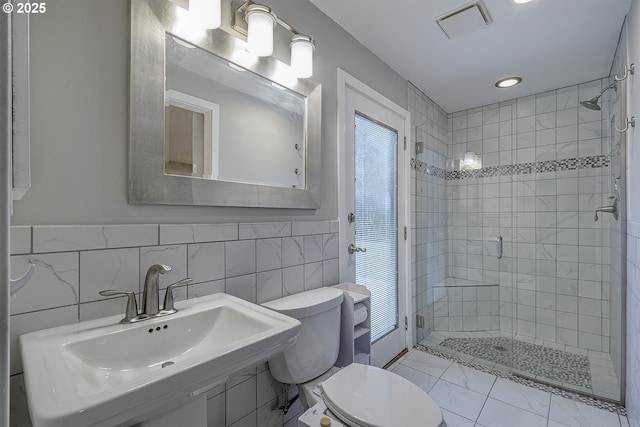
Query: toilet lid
{"type": "Point", "coordinates": [372, 397]}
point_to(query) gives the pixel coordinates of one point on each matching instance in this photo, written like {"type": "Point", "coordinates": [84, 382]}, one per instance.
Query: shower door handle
{"type": "Point", "coordinates": [499, 247]}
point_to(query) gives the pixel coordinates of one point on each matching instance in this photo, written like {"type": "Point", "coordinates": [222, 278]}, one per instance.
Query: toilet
{"type": "Point", "coordinates": [356, 395]}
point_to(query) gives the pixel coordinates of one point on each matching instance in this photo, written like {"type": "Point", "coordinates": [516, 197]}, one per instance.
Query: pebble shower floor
{"type": "Point", "coordinates": [540, 361]}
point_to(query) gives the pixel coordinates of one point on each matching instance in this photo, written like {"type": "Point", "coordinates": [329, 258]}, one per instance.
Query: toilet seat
{"type": "Point", "coordinates": [366, 396]}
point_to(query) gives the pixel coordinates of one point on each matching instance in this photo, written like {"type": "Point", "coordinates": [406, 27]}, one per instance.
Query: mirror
{"type": "Point", "coordinates": [222, 122]}
{"type": "Point", "coordinates": [212, 125]}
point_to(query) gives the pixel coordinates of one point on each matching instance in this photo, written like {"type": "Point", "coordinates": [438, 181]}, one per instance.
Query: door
{"type": "Point", "coordinates": [373, 217]}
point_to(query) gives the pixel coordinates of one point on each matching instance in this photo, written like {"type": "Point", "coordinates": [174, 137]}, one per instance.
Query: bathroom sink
{"type": "Point", "coordinates": [101, 372]}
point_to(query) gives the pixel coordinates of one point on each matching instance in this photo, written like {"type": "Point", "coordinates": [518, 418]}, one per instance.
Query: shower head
{"type": "Point", "coordinates": [592, 104]}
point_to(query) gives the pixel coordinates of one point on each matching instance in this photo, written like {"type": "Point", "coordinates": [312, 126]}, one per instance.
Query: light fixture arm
{"type": "Point", "coordinates": [240, 25]}
{"type": "Point", "coordinates": [254, 21]}
{"type": "Point", "coordinates": [627, 70]}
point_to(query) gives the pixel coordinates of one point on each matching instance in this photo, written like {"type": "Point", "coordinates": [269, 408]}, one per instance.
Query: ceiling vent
{"type": "Point", "coordinates": [469, 17]}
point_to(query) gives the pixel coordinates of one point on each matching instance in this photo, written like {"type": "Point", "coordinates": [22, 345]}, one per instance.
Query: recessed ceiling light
{"type": "Point", "coordinates": [508, 82]}
{"type": "Point", "coordinates": [521, 1]}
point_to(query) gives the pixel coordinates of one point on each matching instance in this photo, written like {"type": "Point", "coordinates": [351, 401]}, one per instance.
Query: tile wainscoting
{"type": "Point", "coordinates": [256, 262]}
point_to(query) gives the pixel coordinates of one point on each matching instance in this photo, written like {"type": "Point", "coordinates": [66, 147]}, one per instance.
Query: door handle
{"type": "Point", "coordinates": [353, 248]}
{"type": "Point", "coordinates": [499, 247]}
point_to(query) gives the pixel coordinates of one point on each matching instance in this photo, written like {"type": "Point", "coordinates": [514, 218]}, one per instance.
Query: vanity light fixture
{"type": "Point", "coordinates": [302, 48]}
{"type": "Point", "coordinates": [261, 21]}
{"type": "Point", "coordinates": [186, 26]}
{"type": "Point", "coordinates": [521, 1]}
{"type": "Point", "coordinates": [508, 82]}
{"type": "Point", "coordinates": [257, 22]}
{"type": "Point", "coordinates": [206, 13]}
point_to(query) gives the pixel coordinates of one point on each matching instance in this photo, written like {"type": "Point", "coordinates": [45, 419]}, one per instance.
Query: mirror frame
{"type": "Point", "coordinates": [147, 182]}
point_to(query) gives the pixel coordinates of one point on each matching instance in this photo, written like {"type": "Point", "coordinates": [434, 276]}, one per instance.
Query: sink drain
{"type": "Point", "coordinates": [165, 364]}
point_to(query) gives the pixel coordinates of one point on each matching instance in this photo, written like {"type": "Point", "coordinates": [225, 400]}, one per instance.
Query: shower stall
{"type": "Point", "coordinates": [519, 234]}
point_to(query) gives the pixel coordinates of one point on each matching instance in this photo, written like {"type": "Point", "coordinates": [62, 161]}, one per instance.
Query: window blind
{"type": "Point", "coordinates": [376, 220]}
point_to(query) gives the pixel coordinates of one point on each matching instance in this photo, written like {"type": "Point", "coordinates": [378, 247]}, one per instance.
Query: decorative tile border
{"type": "Point", "coordinates": [422, 167]}
{"type": "Point", "coordinates": [589, 162]}
{"type": "Point", "coordinates": [588, 400]}
{"type": "Point", "coordinates": [533, 167]}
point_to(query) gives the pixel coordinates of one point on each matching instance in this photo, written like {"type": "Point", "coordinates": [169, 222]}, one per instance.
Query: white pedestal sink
{"type": "Point", "coordinates": [101, 372]}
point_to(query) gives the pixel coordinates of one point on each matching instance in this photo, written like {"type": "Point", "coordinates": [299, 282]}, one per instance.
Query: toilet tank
{"type": "Point", "coordinates": [318, 343]}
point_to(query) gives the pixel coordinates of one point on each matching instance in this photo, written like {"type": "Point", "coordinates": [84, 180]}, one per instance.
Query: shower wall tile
{"type": "Point", "coordinates": [545, 215]}
{"type": "Point", "coordinates": [266, 263]}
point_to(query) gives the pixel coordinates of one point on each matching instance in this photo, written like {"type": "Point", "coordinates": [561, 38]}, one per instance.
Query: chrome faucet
{"type": "Point", "coordinates": [151, 295]}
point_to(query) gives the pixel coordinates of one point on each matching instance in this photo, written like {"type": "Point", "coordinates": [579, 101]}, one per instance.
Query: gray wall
{"type": "Point", "coordinates": [79, 122]}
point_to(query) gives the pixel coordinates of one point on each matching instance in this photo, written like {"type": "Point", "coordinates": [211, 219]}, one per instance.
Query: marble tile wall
{"type": "Point", "coordinates": [554, 276]}
{"type": "Point", "coordinates": [428, 204]}
{"type": "Point", "coordinates": [462, 305]}
{"type": "Point", "coordinates": [256, 262]}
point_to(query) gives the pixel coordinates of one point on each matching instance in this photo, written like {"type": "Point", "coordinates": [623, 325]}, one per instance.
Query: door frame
{"type": "Point", "coordinates": [348, 82]}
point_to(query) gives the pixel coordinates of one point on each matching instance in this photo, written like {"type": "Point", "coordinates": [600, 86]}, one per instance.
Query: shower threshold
{"type": "Point", "coordinates": [586, 372]}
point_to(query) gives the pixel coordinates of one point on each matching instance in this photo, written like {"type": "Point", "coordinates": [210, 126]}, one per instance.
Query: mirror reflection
{"type": "Point", "coordinates": [225, 123]}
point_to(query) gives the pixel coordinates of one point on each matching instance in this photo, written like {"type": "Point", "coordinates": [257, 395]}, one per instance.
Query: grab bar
{"type": "Point", "coordinates": [499, 247]}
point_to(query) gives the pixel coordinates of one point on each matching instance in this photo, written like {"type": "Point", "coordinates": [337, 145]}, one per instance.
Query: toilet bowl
{"type": "Point", "coordinates": [356, 395]}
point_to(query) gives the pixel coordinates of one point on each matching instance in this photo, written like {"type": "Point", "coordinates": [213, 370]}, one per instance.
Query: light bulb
{"type": "Point", "coordinates": [206, 13]}
{"type": "Point", "coordinates": [183, 26]}
{"type": "Point", "coordinates": [508, 82]}
{"type": "Point", "coordinates": [302, 56]}
{"type": "Point", "coordinates": [261, 21]}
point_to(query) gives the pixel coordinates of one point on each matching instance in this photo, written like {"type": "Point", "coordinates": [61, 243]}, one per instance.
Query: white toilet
{"type": "Point", "coordinates": [356, 395]}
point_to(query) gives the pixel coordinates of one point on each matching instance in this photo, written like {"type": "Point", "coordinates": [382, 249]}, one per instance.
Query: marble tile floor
{"type": "Point", "coordinates": [604, 382]}
{"type": "Point", "coordinates": [472, 398]}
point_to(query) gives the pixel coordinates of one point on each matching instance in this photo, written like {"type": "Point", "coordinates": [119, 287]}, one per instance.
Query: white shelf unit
{"type": "Point", "coordinates": [355, 340]}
